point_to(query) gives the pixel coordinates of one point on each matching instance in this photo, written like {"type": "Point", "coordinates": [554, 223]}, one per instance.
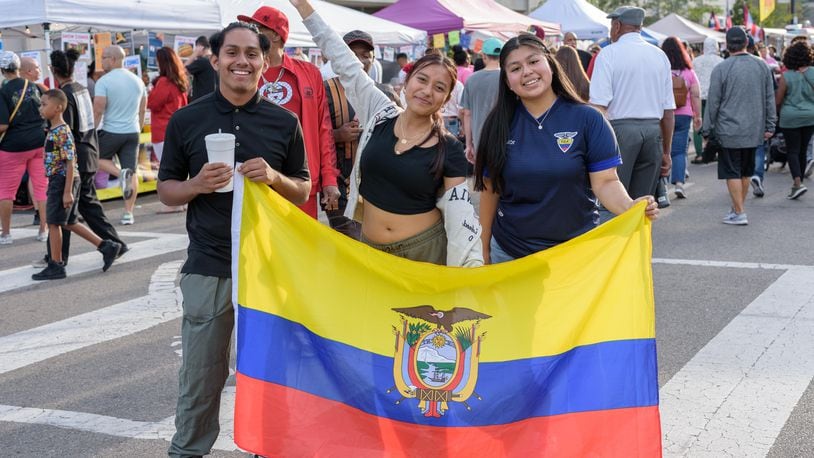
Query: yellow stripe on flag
{"type": "Point", "coordinates": [595, 288]}
{"type": "Point", "coordinates": [765, 8]}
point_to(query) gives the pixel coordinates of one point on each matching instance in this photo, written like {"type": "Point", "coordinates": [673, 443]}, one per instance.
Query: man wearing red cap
{"type": "Point", "coordinates": [297, 86]}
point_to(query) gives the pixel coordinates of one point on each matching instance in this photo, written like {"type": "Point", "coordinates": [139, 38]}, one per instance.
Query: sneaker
{"type": "Point", "coordinates": [124, 249]}
{"type": "Point", "coordinates": [52, 271]}
{"type": "Point", "coordinates": [127, 219]}
{"type": "Point", "coordinates": [757, 186]}
{"type": "Point", "coordinates": [41, 263]}
{"type": "Point", "coordinates": [736, 219]}
{"type": "Point", "coordinates": [110, 250]}
{"type": "Point", "coordinates": [42, 236]}
{"type": "Point", "coordinates": [6, 239]}
{"type": "Point", "coordinates": [796, 192]}
{"type": "Point", "coordinates": [809, 168]}
{"type": "Point", "coordinates": [36, 218]}
{"type": "Point", "coordinates": [126, 182]}
{"type": "Point", "coordinates": [679, 190]}
{"type": "Point", "coordinates": [661, 193]}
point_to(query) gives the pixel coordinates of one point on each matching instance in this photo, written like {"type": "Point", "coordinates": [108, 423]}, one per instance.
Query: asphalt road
{"type": "Point", "coordinates": [735, 330]}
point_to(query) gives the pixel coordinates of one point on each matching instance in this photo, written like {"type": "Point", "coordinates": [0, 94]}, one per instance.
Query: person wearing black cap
{"type": "Point", "coordinates": [346, 130]}
{"type": "Point", "coordinates": [741, 112]}
{"type": "Point", "coordinates": [632, 82]}
{"type": "Point", "coordinates": [297, 86]}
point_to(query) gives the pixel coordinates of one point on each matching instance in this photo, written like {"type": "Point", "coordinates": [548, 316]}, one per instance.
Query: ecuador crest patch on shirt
{"type": "Point", "coordinates": [565, 140]}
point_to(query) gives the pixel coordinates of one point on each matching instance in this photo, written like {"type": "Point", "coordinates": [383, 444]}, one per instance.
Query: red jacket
{"type": "Point", "coordinates": [163, 101]}
{"type": "Point", "coordinates": [317, 128]}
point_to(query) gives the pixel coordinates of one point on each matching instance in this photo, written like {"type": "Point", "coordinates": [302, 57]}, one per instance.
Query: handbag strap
{"type": "Point", "coordinates": [16, 107]}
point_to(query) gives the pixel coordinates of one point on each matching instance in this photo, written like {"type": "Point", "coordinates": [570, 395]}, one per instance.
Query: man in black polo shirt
{"type": "Point", "coordinates": [269, 143]}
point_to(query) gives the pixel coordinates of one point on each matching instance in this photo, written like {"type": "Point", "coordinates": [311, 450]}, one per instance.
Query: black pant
{"type": "Point", "coordinates": [91, 210]}
{"type": "Point", "coordinates": [796, 146]}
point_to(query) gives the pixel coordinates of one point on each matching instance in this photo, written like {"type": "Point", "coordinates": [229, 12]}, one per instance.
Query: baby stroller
{"type": "Point", "coordinates": [776, 151]}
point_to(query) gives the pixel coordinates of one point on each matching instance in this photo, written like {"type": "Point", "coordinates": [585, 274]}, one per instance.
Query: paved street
{"type": "Point", "coordinates": [88, 365]}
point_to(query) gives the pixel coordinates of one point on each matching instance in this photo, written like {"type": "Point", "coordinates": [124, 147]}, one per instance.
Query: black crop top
{"type": "Point", "coordinates": [404, 183]}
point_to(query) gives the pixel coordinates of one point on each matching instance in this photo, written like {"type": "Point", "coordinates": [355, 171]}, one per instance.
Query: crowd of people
{"type": "Point", "coordinates": [458, 160]}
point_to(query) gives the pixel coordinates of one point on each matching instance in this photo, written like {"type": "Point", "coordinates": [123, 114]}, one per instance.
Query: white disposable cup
{"type": "Point", "coordinates": [220, 147]}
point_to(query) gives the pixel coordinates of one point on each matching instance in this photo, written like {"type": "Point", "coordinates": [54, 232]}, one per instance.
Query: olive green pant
{"type": "Point", "coordinates": [206, 333]}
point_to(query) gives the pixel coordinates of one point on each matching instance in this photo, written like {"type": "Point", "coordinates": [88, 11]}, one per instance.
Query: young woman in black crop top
{"type": "Point", "coordinates": [406, 159]}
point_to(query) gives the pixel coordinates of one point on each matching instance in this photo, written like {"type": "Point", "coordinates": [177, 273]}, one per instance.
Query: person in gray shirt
{"type": "Point", "coordinates": [741, 111]}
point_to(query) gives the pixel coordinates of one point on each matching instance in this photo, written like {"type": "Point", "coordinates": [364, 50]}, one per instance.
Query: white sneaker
{"type": "Point", "coordinates": [42, 236]}
{"type": "Point", "coordinates": [127, 219]}
{"type": "Point", "coordinates": [736, 219]}
{"type": "Point", "coordinates": [6, 239]}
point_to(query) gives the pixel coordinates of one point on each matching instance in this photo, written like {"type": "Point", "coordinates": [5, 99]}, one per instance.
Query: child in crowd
{"type": "Point", "coordinates": [63, 189]}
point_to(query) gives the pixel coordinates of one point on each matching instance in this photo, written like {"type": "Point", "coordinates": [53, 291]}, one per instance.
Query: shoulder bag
{"type": "Point", "coordinates": [16, 108]}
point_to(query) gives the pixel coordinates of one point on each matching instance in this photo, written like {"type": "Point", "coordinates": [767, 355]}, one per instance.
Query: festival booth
{"type": "Point", "coordinates": [438, 17]}
{"type": "Point", "coordinates": [578, 16]}
{"type": "Point", "coordinates": [343, 20]}
{"type": "Point", "coordinates": [72, 24]}
{"type": "Point", "coordinates": [686, 30]}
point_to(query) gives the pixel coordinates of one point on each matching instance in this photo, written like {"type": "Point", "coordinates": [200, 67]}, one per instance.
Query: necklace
{"type": "Point", "coordinates": [405, 143]}
{"type": "Point", "coordinates": [276, 84]}
{"type": "Point", "coordinates": [540, 122]}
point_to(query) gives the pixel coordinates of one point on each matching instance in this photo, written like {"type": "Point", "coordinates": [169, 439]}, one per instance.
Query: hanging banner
{"type": "Point", "coordinates": [184, 46]}
{"type": "Point", "coordinates": [154, 41]}
{"type": "Point", "coordinates": [466, 40]}
{"type": "Point", "coordinates": [765, 8]}
{"type": "Point", "coordinates": [454, 37]}
{"type": "Point", "coordinates": [125, 40]}
{"type": "Point", "coordinates": [78, 41]}
{"type": "Point", "coordinates": [438, 41]}
{"type": "Point", "coordinates": [100, 42]}
{"type": "Point", "coordinates": [80, 73]}
{"type": "Point", "coordinates": [389, 54]}
{"type": "Point", "coordinates": [478, 46]}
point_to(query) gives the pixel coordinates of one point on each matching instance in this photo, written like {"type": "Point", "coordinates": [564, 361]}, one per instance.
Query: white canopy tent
{"type": "Point", "coordinates": [584, 19]}
{"type": "Point", "coordinates": [686, 30]}
{"type": "Point", "coordinates": [170, 16]}
{"type": "Point", "coordinates": [342, 19]}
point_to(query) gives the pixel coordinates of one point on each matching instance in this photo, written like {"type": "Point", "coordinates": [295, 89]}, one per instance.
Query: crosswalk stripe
{"type": "Point", "coordinates": [20, 277]}
{"type": "Point", "coordinates": [162, 304]}
{"type": "Point", "coordinates": [739, 390]}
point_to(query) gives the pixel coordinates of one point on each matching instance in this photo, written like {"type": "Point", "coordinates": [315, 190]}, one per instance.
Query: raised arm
{"type": "Point", "coordinates": [360, 90]}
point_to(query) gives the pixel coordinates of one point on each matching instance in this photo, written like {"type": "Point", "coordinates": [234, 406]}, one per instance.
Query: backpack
{"type": "Point", "coordinates": [680, 90]}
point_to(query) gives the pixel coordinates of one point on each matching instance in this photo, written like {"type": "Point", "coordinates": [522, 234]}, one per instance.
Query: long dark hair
{"type": "Point", "coordinates": [170, 67]}
{"type": "Point", "coordinates": [491, 153]}
{"type": "Point", "coordinates": [438, 128]}
{"type": "Point", "coordinates": [63, 62]}
{"type": "Point", "coordinates": [572, 67]}
{"type": "Point", "coordinates": [676, 54]}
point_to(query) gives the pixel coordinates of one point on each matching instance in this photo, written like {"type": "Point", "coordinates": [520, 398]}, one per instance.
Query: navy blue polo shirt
{"type": "Point", "coordinates": [547, 198]}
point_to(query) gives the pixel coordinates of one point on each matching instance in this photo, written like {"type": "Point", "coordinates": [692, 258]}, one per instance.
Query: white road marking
{"type": "Point", "coordinates": [120, 427]}
{"type": "Point", "coordinates": [734, 396]}
{"type": "Point", "coordinates": [20, 277]}
{"type": "Point", "coordinates": [162, 304]}
{"type": "Point", "coordinates": [732, 264]}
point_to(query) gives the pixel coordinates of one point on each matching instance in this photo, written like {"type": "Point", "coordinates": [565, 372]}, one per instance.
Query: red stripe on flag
{"type": "Point", "coordinates": [272, 420]}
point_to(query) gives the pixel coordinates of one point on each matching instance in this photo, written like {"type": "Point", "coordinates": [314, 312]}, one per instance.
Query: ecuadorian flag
{"type": "Point", "coordinates": [343, 350]}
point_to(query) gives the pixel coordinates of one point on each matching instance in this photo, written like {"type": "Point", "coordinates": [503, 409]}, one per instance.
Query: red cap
{"type": "Point", "coordinates": [271, 18]}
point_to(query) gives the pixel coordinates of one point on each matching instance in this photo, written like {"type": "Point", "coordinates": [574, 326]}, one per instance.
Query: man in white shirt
{"type": "Point", "coordinates": [631, 82]}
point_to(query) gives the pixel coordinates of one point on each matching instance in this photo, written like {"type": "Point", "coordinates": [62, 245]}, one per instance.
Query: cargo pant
{"type": "Point", "coordinates": [206, 333]}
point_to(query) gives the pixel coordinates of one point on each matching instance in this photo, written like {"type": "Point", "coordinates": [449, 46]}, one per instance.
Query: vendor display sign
{"type": "Point", "coordinates": [78, 41]}
{"type": "Point", "coordinates": [125, 40]}
{"type": "Point", "coordinates": [133, 63]}
{"type": "Point", "coordinates": [154, 41]}
{"type": "Point", "coordinates": [100, 42]}
{"type": "Point", "coordinates": [184, 46]}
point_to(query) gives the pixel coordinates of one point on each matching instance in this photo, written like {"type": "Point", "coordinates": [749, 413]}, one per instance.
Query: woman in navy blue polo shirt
{"type": "Point", "coordinates": [543, 159]}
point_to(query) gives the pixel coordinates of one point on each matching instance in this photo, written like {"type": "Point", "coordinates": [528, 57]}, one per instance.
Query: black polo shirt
{"type": "Point", "coordinates": [262, 129]}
